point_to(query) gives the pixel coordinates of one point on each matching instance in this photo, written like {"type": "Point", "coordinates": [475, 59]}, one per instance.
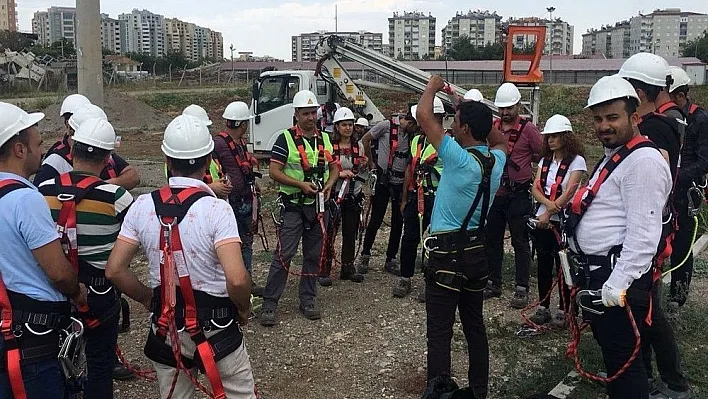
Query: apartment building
{"type": "Point", "coordinates": [113, 33]}
{"type": "Point", "coordinates": [145, 32]}
{"type": "Point", "coordinates": [55, 23]}
{"type": "Point", "coordinates": [8, 15]}
{"type": "Point", "coordinates": [303, 45]}
{"type": "Point", "coordinates": [559, 35]}
{"type": "Point", "coordinates": [411, 35]}
{"type": "Point", "coordinates": [481, 27]}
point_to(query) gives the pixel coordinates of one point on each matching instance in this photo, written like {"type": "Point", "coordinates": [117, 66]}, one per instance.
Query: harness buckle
{"type": "Point", "coordinates": [427, 246]}
{"type": "Point", "coordinates": [100, 292]}
{"type": "Point", "coordinates": [219, 326]}
{"type": "Point", "coordinates": [587, 303]}
{"type": "Point", "coordinates": [696, 190]}
{"type": "Point", "coordinates": [372, 183]}
{"type": "Point", "coordinates": [64, 197]}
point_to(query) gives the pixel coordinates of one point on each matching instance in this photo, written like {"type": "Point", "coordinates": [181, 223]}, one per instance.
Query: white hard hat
{"type": "Point", "coordinates": [187, 137]}
{"type": "Point", "coordinates": [305, 99]}
{"type": "Point", "coordinates": [96, 132]}
{"type": "Point", "coordinates": [438, 107]}
{"type": "Point", "coordinates": [86, 112]}
{"type": "Point", "coordinates": [680, 78]}
{"type": "Point", "coordinates": [474, 95]}
{"type": "Point", "coordinates": [557, 124]}
{"type": "Point", "coordinates": [72, 103]}
{"type": "Point", "coordinates": [237, 111]}
{"type": "Point", "coordinates": [362, 122]}
{"type": "Point", "coordinates": [14, 119]}
{"type": "Point", "coordinates": [610, 88]}
{"type": "Point", "coordinates": [414, 109]}
{"type": "Point", "coordinates": [343, 114]}
{"type": "Point", "coordinates": [197, 112]}
{"type": "Point", "coordinates": [507, 95]}
{"type": "Point", "coordinates": [646, 67]}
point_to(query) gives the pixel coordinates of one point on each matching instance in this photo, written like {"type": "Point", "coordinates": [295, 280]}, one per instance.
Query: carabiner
{"type": "Point", "coordinates": [426, 245]}
{"type": "Point", "coordinates": [220, 326]}
{"type": "Point", "coordinates": [99, 292]}
{"type": "Point", "coordinates": [63, 197]}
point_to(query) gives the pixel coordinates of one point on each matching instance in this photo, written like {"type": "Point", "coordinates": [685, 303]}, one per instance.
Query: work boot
{"type": "Point", "coordinates": [325, 281]}
{"type": "Point", "coordinates": [673, 311]}
{"type": "Point", "coordinates": [521, 298]}
{"type": "Point", "coordinates": [491, 290]}
{"type": "Point", "coordinates": [267, 317]}
{"type": "Point", "coordinates": [403, 288]}
{"type": "Point", "coordinates": [256, 290]}
{"type": "Point", "coordinates": [542, 316]}
{"type": "Point", "coordinates": [558, 320]}
{"type": "Point", "coordinates": [349, 273]}
{"type": "Point", "coordinates": [120, 373]}
{"type": "Point", "coordinates": [363, 266]}
{"type": "Point", "coordinates": [310, 311]}
{"type": "Point", "coordinates": [392, 267]}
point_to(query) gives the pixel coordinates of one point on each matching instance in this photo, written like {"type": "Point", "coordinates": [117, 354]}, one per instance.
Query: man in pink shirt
{"type": "Point", "coordinates": [513, 200]}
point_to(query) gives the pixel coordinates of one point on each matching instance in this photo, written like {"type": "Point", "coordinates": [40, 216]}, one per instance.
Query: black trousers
{"type": "Point", "coordinates": [380, 202]}
{"type": "Point", "coordinates": [547, 247]}
{"type": "Point", "coordinates": [682, 245]}
{"type": "Point", "coordinates": [615, 335]}
{"type": "Point", "coordinates": [440, 306]}
{"type": "Point", "coordinates": [509, 209]}
{"type": "Point", "coordinates": [412, 231]}
{"type": "Point", "coordinates": [660, 337]}
{"type": "Point", "coordinates": [347, 217]}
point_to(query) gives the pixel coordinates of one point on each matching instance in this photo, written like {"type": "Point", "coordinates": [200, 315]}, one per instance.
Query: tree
{"type": "Point", "coordinates": [14, 41]}
{"type": "Point", "coordinates": [697, 48]}
{"type": "Point", "coordinates": [462, 49]}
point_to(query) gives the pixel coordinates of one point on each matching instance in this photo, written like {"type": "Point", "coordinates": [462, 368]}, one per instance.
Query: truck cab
{"type": "Point", "coordinates": [271, 105]}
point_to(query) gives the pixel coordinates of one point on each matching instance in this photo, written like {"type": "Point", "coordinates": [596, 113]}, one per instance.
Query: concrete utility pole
{"type": "Point", "coordinates": [553, 25]}
{"type": "Point", "coordinates": [88, 50]}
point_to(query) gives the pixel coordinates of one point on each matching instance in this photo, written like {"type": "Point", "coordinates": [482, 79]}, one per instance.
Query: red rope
{"type": "Point", "coordinates": [148, 374]}
{"type": "Point", "coordinates": [322, 258]}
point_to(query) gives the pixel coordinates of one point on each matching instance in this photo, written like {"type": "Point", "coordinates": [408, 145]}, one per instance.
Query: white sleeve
{"type": "Point", "coordinates": [643, 196]}
{"type": "Point", "coordinates": [134, 218]}
{"type": "Point", "coordinates": [225, 228]}
{"type": "Point", "coordinates": [578, 164]}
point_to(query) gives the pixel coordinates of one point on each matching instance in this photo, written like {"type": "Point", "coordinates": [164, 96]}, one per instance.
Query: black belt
{"type": "Point", "coordinates": [446, 243]}
{"type": "Point", "coordinates": [209, 308]}
{"type": "Point", "coordinates": [516, 186]}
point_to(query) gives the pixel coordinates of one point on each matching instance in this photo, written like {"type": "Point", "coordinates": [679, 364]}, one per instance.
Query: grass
{"type": "Point", "coordinates": [176, 101]}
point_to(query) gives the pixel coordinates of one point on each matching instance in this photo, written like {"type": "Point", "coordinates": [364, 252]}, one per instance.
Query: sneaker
{"type": "Point", "coordinates": [348, 272]}
{"type": "Point", "coordinates": [521, 298]}
{"type": "Point", "coordinates": [673, 311]}
{"type": "Point", "coordinates": [310, 311]}
{"type": "Point", "coordinates": [363, 266]}
{"type": "Point", "coordinates": [120, 373]}
{"type": "Point", "coordinates": [558, 319]}
{"type": "Point", "coordinates": [267, 317]}
{"type": "Point", "coordinates": [492, 291]}
{"type": "Point", "coordinates": [403, 288]}
{"type": "Point", "coordinates": [664, 392]}
{"type": "Point", "coordinates": [325, 281]}
{"type": "Point", "coordinates": [542, 316]}
{"type": "Point", "coordinates": [421, 296]}
{"type": "Point", "coordinates": [392, 267]}
{"type": "Point", "coordinates": [256, 290]}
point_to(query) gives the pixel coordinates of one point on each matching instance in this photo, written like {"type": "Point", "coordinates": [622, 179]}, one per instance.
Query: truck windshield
{"type": "Point", "coordinates": [277, 91]}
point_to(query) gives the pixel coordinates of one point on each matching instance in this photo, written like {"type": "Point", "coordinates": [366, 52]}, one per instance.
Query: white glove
{"type": "Point", "coordinates": [612, 296]}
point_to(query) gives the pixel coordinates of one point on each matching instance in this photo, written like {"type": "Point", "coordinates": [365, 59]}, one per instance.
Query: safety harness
{"type": "Point", "coordinates": [71, 190]}
{"type": "Point", "coordinates": [314, 174]}
{"type": "Point", "coordinates": [514, 135]}
{"type": "Point", "coordinates": [21, 342]}
{"type": "Point", "coordinates": [462, 240]}
{"type": "Point", "coordinates": [352, 152]}
{"type": "Point", "coordinates": [64, 151]}
{"type": "Point", "coordinates": [393, 144]}
{"type": "Point", "coordinates": [556, 187]}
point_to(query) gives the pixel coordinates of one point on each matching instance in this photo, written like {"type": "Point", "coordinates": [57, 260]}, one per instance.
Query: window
{"type": "Point", "coordinates": [278, 91]}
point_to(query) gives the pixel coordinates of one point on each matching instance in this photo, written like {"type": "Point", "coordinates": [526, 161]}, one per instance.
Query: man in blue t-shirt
{"type": "Point", "coordinates": [458, 269]}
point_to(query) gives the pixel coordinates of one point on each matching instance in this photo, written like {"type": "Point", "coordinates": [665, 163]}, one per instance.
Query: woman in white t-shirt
{"type": "Point", "coordinates": [557, 178]}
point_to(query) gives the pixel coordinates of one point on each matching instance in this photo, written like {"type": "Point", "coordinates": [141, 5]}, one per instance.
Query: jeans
{"type": "Point", "coordinates": [378, 211]}
{"type": "Point", "coordinates": [294, 228]}
{"type": "Point", "coordinates": [509, 208]}
{"type": "Point", "coordinates": [440, 306]}
{"type": "Point", "coordinates": [42, 380]}
{"type": "Point", "coordinates": [412, 231]}
{"type": "Point", "coordinates": [244, 220]}
{"type": "Point", "coordinates": [101, 359]}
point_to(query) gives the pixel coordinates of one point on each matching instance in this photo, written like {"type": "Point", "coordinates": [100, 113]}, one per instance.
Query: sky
{"type": "Point", "coordinates": [265, 27]}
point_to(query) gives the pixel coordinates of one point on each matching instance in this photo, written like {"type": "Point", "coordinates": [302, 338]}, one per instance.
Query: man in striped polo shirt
{"type": "Point", "coordinates": [99, 211]}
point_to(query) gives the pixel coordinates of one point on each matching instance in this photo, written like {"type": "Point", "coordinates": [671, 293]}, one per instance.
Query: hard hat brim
{"type": "Point", "coordinates": [505, 104]}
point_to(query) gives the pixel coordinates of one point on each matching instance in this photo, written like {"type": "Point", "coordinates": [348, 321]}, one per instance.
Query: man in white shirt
{"type": "Point", "coordinates": [206, 252]}
{"type": "Point", "coordinates": [615, 223]}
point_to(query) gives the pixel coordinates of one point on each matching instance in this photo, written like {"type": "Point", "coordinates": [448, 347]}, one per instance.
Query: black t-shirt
{"type": "Point", "coordinates": [664, 136]}
{"type": "Point", "coordinates": [47, 171]}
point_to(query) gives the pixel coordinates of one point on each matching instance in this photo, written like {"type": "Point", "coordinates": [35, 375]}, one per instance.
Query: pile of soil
{"type": "Point", "coordinates": [126, 113]}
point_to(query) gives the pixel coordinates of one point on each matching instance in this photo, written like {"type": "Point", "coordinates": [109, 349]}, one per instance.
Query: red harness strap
{"type": "Point", "coordinates": [667, 106]}
{"type": "Point", "coordinates": [244, 159]}
{"type": "Point", "coordinates": [12, 348]}
{"type": "Point", "coordinates": [556, 187]}
{"type": "Point", "coordinates": [692, 109]}
{"type": "Point", "coordinates": [70, 193]}
{"type": "Point", "coordinates": [353, 153]}
{"type": "Point", "coordinates": [172, 204]}
{"type": "Point", "coordinates": [393, 142]}
{"type": "Point", "coordinates": [323, 156]}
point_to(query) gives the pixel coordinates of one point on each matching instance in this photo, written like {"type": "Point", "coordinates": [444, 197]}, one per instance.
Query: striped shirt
{"type": "Point", "coordinates": [98, 217]}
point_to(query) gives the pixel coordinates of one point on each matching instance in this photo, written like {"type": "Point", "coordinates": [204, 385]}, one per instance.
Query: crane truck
{"type": "Point", "coordinates": [273, 91]}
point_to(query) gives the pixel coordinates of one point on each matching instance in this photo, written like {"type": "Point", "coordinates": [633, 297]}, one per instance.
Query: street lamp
{"type": "Point", "coordinates": [550, 72]}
